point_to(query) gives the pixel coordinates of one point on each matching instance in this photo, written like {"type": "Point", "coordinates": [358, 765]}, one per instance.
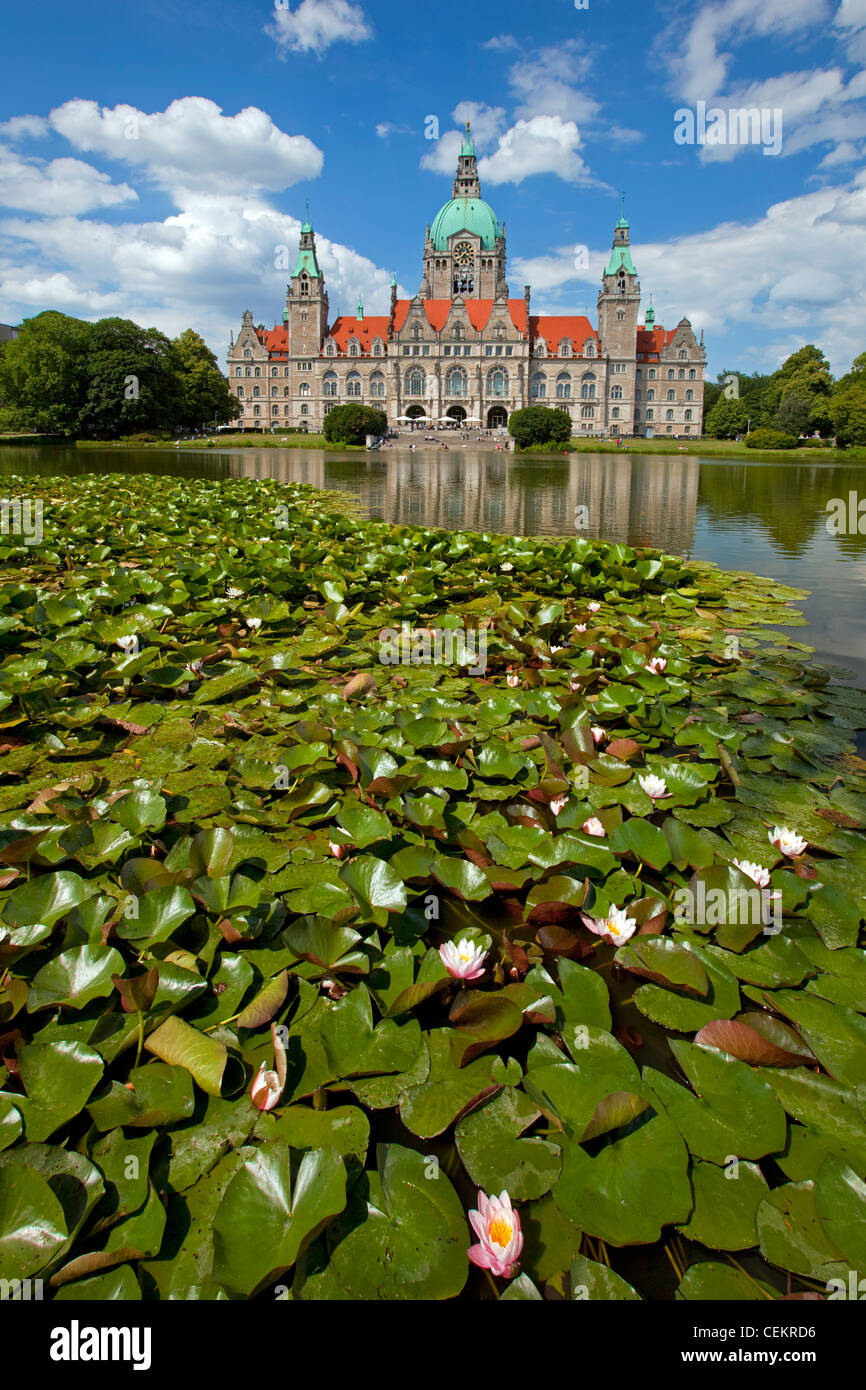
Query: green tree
{"type": "Point", "coordinates": [43, 374]}
{"type": "Point", "coordinates": [848, 414]}
{"type": "Point", "coordinates": [205, 393]}
{"type": "Point", "coordinates": [806, 376]}
{"type": "Point", "coordinates": [538, 424]}
{"type": "Point", "coordinates": [350, 424]}
{"type": "Point", "coordinates": [726, 419]}
{"type": "Point", "coordinates": [793, 415]}
{"type": "Point", "coordinates": [133, 380]}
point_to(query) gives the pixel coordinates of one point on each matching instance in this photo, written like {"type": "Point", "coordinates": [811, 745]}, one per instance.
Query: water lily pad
{"type": "Point", "coordinates": [496, 1157]}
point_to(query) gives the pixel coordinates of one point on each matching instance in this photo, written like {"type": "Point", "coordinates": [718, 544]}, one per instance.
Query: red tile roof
{"type": "Point", "coordinates": [553, 328]}
{"type": "Point", "coordinates": [364, 330]}
{"type": "Point", "coordinates": [478, 312]}
{"type": "Point", "coordinates": [655, 340]}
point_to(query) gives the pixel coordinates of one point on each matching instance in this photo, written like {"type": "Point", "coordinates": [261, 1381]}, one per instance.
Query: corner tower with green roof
{"type": "Point", "coordinates": [306, 314]}
{"type": "Point", "coordinates": [618, 314]}
{"type": "Point", "coordinates": [464, 253]}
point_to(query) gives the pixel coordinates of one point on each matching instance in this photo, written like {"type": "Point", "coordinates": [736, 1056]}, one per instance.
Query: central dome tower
{"type": "Point", "coordinates": [464, 254]}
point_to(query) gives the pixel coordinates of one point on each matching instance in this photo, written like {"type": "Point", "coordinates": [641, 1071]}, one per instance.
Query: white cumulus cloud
{"type": "Point", "coordinates": [57, 186]}
{"type": "Point", "coordinates": [316, 24]}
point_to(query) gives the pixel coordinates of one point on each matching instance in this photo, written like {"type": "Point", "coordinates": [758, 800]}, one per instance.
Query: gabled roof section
{"type": "Point", "coordinates": [553, 328]}
{"type": "Point", "coordinates": [653, 341]}
{"type": "Point", "coordinates": [478, 311]}
{"type": "Point", "coordinates": [365, 331]}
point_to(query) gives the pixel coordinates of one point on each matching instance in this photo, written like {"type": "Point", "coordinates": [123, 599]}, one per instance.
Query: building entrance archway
{"type": "Point", "coordinates": [457, 413]}
{"type": "Point", "coordinates": [497, 417]}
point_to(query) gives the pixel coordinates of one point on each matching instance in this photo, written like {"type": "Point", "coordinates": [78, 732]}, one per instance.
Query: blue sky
{"type": "Point", "coordinates": [156, 157]}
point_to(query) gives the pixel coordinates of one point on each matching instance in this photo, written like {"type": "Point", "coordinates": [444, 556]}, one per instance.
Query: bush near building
{"type": "Point", "coordinates": [771, 439]}
{"type": "Point", "coordinates": [538, 424]}
{"type": "Point", "coordinates": [350, 424]}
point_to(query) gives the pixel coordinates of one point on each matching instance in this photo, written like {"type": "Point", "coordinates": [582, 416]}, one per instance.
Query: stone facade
{"type": "Point", "coordinates": [463, 349]}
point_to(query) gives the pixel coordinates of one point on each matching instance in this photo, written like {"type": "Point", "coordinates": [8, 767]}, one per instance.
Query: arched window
{"type": "Point", "coordinates": [670, 373]}
{"type": "Point", "coordinates": [305, 410]}
{"type": "Point", "coordinates": [649, 414]}
{"type": "Point", "coordinates": [416, 333]}
{"type": "Point", "coordinates": [615, 413]}
{"type": "Point", "coordinates": [257, 410]}
{"type": "Point", "coordinates": [497, 382]}
{"type": "Point", "coordinates": [688, 415]}
{"type": "Point", "coordinates": [587, 412]}
{"type": "Point", "coordinates": [305, 284]}
{"type": "Point", "coordinates": [652, 373]}
{"type": "Point", "coordinates": [587, 386]}
{"type": "Point", "coordinates": [257, 371]}
{"type": "Point", "coordinates": [275, 410]}
{"type": "Point", "coordinates": [415, 382]}
{"type": "Point", "coordinates": [377, 385]}
{"type": "Point", "coordinates": [681, 374]}
{"type": "Point", "coordinates": [275, 371]}
{"type": "Point", "coordinates": [616, 393]}
{"type": "Point", "coordinates": [620, 284]}
{"type": "Point", "coordinates": [331, 348]}
{"type": "Point", "coordinates": [275, 390]}
{"type": "Point", "coordinates": [684, 356]}
{"type": "Point", "coordinates": [377, 347]}
{"type": "Point", "coordinates": [540, 347]}
{"type": "Point", "coordinates": [330, 384]}
{"type": "Point", "coordinates": [637, 395]}
{"type": "Point", "coordinates": [563, 387]}
{"type": "Point", "coordinates": [287, 390]}
{"type": "Point", "coordinates": [455, 382]}
{"type": "Point", "coordinates": [240, 392]}
{"type": "Point", "coordinates": [248, 354]}
{"type": "Point", "coordinates": [672, 395]}
{"type": "Point", "coordinates": [353, 384]}
{"type": "Point", "coordinates": [589, 348]}
{"type": "Point", "coordinates": [639, 374]}
{"type": "Point", "coordinates": [457, 335]}
{"type": "Point", "coordinates": [691, 374]}
{"type": "Point", "coordinates": [538, 386]}
{"type": "Point", "coordinates": [249, 371]}
{"type": "Point", "coordinates": [690, 395]}
{"type": "Point", "coordinates": [354, 347]}
{"type": "Point", "coordinates": [304, 388]}
{"type": "Point", "coordinates": [669, 414]}
{"type": "Point", "coordinates": [651, 395]}
{"type": "Point", "coordinates": [564, 348]}
{"type": "Point", "coordinates": [256, 391]}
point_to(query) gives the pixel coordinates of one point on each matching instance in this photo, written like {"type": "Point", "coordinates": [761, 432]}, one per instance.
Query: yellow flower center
{"type": "Point", "coordinates": [499, 1231]}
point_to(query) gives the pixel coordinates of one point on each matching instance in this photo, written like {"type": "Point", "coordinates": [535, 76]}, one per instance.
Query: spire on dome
{"type": "Point", "coordinates": [468, 142]}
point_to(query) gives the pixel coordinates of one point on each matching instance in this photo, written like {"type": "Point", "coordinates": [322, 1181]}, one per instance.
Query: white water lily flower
{"type": "Point", "coordinates": [127, 645]}
{"type": "Point", "coordinates": [196, 668]}
{"type": "Point", "coordinates": [507, 566]}
{"type": "Point", "coordinates": [253, 623]}
{"type": "Point", "coordinates": [234, 593]}
{"type": "Point", "coordinates": [266, 1089]}
{"type": "Point", "coordinates": [581, 627]}
{"type": "Point", "coordinates": [618, 927]}
{"type": "Point", "coordinates": [598, 734]}
{"type": "Point", "coordinates": [462, 959]}
{"type": "Point", "coordinates": [593, 826]}
{"type": "Point", "coordinates": [512, 679]}
{"type": "Point", "coordinates": [555, 648]}
{"type": "Point", "coordinates": [656, 665]}
{"type": "Point", "coordinates": [594, 607]}
{"type": "Point", "coordinates": [787, 841]}
{"type": "Point", "coordinates": [558, 803]}
{"type": "Point", "coordinates": [756, 872]}
{"type": "Point", "coordinates": [656, 788]}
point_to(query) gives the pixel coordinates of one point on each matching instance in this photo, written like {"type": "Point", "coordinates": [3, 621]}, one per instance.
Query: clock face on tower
{"type": "Point", "coordinates": [464, 254]}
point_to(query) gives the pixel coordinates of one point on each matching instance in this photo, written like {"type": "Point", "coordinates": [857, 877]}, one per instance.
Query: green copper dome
{"type": "Point", "coordinates": [466, 215]}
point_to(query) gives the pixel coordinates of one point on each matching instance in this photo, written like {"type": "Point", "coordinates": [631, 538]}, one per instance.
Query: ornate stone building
{"type": "Point", "coordinates": [463, 349]}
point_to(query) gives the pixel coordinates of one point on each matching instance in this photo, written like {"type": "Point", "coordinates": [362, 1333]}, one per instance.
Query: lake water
{"type": "Point", "coordinates": [769, 518]}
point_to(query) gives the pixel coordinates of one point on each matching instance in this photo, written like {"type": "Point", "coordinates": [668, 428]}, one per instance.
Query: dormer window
{"type": "Point", "coordinates": [331, 348]}
{"type": "Point", "coordinates": [354, 347]}
{"type": "Point", "coordinates": [565, 348]}
{"type": "Point", "coordinates": [377, 347]}
{"type": "Point", "coordinates": [589, 348]}
{"type": "Point", "coordinates": [540, 347]}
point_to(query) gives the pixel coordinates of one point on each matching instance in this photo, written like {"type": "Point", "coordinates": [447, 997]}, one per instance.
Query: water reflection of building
{"type": "Point", "coordinates": [642, 500]}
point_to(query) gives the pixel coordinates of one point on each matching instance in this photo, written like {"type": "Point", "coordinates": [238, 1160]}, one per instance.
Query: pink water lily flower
{"type": "Point", "coordinates": [593, 826]}
{"type": "Point", "coordinates": [787, 841]}
{"type": "Point", "coordinates": [512, 679]}
{"type": "Point", "coordinates": [557, 803]}
{"type": "Point", "coordinates": [462, 959]}
{"type": "Point", "coordinates": [598, 734]}
{"type": "Point", "coordinates": [656, 665]}
{"type": "Point", "coordinates": [266, 1089]}
{"type": "Point", "coordinates": [338, 851]}
{"type": "Point", "coordinates": [656, 788]}
{"type": "Point", "coordinates": [500, 1239]}
{"type": "Point", "coordinates": [581, 627]}
{"type": "Point", "coordinates": [594, 607]}
{"type": "Point", "coordinates": [756, 872]}
{"type": "Point", "coordinates": [617, 926]}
